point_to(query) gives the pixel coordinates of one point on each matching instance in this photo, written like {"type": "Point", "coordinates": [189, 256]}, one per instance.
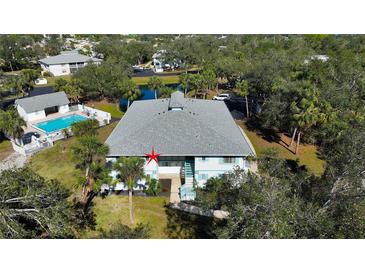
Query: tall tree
{"type": "Point", "coordinates": [89, 153]}
{"type": "Point", "coordinates": [185, 81]}
{"type": "Point", "coordinates": [73, 91]}
{"type": "Point", "coordinates": [128, 90]}
{"type": "Point", "coordinates": [242, 88]}
{"type": "Point", "coordinates": [155, 83]}
{"type": "Point", "coordinates": [130, 171]}
{"type": "Point", "coordinates": [102, 81]}
{"type": "Point", "coordinates": [165, 92]}
{"type": "Point", "coordinates": [12, 124]}
{"type": "Point", "coordinates": [32, 207]}
{"type": "Point", "coordinates": [307, 112]}
{"type": "Point", "coordinates": [87, 127]}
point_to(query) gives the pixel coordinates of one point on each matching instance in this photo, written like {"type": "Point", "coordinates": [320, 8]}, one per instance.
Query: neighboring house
{"type": "Point", "coordinates": [159, 64]}
{"type": "Point", "coordinates": [157, 60]}
{"type": "Point", "coordinates": [197, 140]}
{"type": "Point", "coordinates": [38, 107]}
{"type": "Point", "coordinates": [66, 63]}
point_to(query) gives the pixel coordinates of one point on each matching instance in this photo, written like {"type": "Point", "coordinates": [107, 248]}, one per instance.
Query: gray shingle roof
{"type": "Point", "coordinates": [201, 128]}
{"type": "Point", "coordinates": [68, 58]}
{"type": "Point", "coordinates": [40, 102]}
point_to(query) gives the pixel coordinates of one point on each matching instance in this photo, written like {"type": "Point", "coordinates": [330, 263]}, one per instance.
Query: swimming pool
{"type": "Point", "coordinates": [59, 123]}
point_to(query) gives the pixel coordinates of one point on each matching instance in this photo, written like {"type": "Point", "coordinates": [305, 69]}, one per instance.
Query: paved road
{"type": "Point", "coordinates": [150, 72]}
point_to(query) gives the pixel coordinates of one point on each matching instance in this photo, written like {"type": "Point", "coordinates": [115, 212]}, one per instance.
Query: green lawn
{"type": "Point", "coordinates": [57, 162]}
{"type": "Point", "coordinates": [5, 149]}
{"type": "Point", "coordinates": [168, 79]}
{"type": "Point", "coordinates": [112, 108]}
{"type": "Point", "coordinates": [51, 80]}
{"type": "Point", "coordinates": [114, 209]}
{"type": "Point", "coordinates": [307, 155]}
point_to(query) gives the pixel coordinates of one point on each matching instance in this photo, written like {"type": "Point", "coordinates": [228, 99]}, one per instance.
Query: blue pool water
{"type": "Point", "coordinates": [147, 94]}
{"type": "Point", "coordinates": [60, 123]}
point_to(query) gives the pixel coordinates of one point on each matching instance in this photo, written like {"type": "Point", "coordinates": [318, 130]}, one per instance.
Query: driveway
{"type": "Point", "coordinates": [14, 160]}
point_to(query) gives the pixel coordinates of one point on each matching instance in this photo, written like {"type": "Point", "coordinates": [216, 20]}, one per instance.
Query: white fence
{"type": "Point", "coordinates": [102, 116]}
{"type": "Point", "coordinates": [35, 146]}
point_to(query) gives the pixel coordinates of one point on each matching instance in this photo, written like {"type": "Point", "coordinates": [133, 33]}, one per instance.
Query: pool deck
{"type": "Point", "coordinates": [32, 128]}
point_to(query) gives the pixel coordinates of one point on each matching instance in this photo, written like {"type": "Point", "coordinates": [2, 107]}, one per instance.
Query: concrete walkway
{"type": "Point", "coordinates": [14, 160]}
{"type": "Point", "coordinates": [219, 214]}
{"type": "Point", "coordinates": [175, 185]}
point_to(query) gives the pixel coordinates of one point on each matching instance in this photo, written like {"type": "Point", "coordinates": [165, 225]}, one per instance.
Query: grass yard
{"type": "Point", "coordinates": [114, 209]}
{"type": "Point", "coordinates": [5, 149]}
{"type": "Point", "coordinates": [307, 155]}
{"type": "Point", "coordinates": [57, 162]}
{"type": "Point", "coordinates": [168, 79]}
{"type": "Point", "coordinates": [51, 80]}
{"type": "Point", "coordinates": [112, 108]}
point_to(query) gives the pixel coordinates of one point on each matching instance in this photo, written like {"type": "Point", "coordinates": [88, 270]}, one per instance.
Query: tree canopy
{"type": "Point", "coordinates": [31, 207]}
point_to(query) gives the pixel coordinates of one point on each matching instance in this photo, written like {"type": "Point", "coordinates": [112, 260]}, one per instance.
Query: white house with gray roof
{"type": "Point", "coordinates": [197, 140]}
{"type": "Point", "coordinates": [66, 63]}
{"type": "Point", "coordinates": [38, 107]}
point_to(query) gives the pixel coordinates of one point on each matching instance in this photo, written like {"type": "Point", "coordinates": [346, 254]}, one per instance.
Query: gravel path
{"type": "Point", "coordinates": [13, 160]}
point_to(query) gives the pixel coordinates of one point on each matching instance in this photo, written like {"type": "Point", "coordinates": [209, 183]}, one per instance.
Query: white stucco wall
{"type": "Point", "coordinates": [63, 109]}
{"type": "Point", "coordinates": [204, 169]}
{"type": "Point", "coordinates": [61, 69]}
{"type": "Point", "coordinates": [29, 117]}
{"type": "Point", "coordinates": [215, 166]}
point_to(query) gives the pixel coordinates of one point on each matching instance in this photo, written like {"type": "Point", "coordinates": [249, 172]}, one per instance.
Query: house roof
{"type": "Point", "coordinates": [199, 128]}
{"type": "Point", "coordinates": [40, 102]}
{"type": "Point", "coordinates": [68, 57]}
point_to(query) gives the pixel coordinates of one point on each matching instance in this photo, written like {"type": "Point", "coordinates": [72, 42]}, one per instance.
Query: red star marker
{"type": "Point", "coordinates": [153, 156]}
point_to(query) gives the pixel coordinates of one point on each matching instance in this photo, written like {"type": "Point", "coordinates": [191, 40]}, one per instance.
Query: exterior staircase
{"type": "Point", "coordinates": [189, 171]}
{"type": "Point", "coordinates": [187, 191]}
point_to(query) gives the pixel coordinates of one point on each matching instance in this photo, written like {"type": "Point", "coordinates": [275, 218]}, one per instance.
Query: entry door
{"type": "Point", "coordinates": [166, 186]}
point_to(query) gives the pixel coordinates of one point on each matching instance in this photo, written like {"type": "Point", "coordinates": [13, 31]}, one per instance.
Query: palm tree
{"type": "Point", "coordinates": [155, 83]}
{"type": "Point", "coordinates": [185, 82]}
{"type": "Point", "coordinates": [130, 171]}
{"type": "Point", "coordinates": [198, 83]}
{"type": "Point", "coordinates": [306, 113]}
{"type": "Point", "coordinates": [165, 92]}
{"type": "Point", "coordinates": [129, 90]}
{"type": "Point", "coordinates": [12, 124]}
{"type": "Point", "coordinates": [73, 91]}
{"type": "Point", "coordinates": [242, 88]}
{"type": "Point", "coordinates": [88, 152]}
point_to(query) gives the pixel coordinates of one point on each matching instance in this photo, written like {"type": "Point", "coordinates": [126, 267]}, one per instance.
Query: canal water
{"type": "Point", "coordinates": [147, 94]}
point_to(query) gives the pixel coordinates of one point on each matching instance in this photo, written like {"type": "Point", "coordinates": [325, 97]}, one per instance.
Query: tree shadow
{"type": "Point", "coordinates": [182, 225]}
{"type": "Point", "coordinates": [84, 218]}
{"type": "Point", "coordinates": [267, 134]}
{"type": "Point", "coordinates": [295, 167]}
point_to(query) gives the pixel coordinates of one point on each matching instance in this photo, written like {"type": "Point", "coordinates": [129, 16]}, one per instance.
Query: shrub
{"type": "Point", "coordinates": [154, 187]}
{"type": "Point", "coordinates": [47, 74]}
{"type": "Point", "coordinates": [120, 231]}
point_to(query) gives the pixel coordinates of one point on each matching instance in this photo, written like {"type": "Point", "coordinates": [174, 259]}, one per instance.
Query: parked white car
{"type": "Point", "coordinates": [222, 97]}
{"type": "Point", "coordinates": [41, 81]}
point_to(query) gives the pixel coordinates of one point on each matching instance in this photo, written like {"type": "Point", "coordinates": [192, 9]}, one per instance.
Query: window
{"type": "Point", "coordinates": [203, 176]}
{"type": "Point", "coordinates": [229, 160]}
